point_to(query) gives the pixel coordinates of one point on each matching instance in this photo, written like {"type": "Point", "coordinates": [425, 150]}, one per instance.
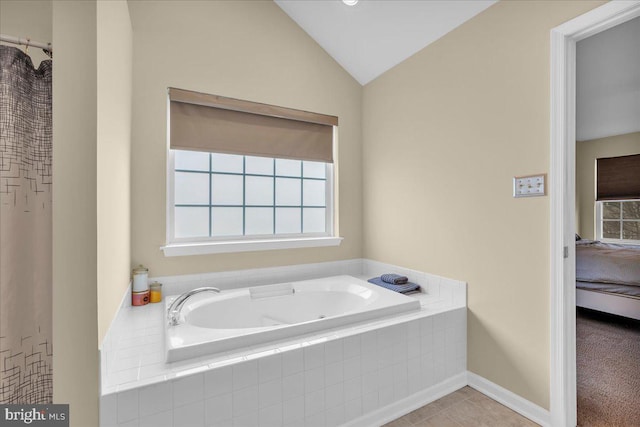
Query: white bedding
{"type": "Point", "coordinates": [607, 263]}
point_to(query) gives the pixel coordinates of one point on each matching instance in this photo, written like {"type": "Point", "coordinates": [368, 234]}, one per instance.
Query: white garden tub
{"type": "Point", "coordinates": [212, 323]}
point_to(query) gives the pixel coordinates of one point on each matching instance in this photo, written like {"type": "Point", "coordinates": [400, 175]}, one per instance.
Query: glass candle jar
{"type": "Point", "coordinates": [155, 292]}
{"type": "Point", "coordinates": [140, 276]}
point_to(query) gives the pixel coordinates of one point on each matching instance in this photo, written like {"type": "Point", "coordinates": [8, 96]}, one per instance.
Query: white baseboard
{"type": "Point", "coordinates": [509, 399]}
{"type": "Point", "coordinates": [500, 394]}
{"type": "Point", "coordinates": [402, 407]}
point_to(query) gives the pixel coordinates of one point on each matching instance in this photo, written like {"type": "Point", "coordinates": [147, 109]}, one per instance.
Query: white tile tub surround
{"type": "Point", "coordinates": [328, 383]}
{"type": "Point", "coordinates": [329, 378]}
{"type": "Point", "coordinates": [437, 291]}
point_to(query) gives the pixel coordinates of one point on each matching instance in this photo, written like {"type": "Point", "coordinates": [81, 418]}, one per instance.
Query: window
{"type": "Point", "coordinates": [219, 196]}
{"type": "Point", "coordinates": [618, 199]}
{"type": "Point", "coordinates": [241, 177]}
{"type": "Point", "coordinates": [619, 220]}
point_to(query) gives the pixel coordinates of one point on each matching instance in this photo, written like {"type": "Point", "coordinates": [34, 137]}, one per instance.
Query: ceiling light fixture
{"type": "Point", "coordinates": [350, 2]}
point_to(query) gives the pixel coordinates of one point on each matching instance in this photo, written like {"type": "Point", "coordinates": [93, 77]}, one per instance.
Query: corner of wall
{"type": "Point", "coordinates": [114, 98]}
{"type": "Point", "coordinates": [75, 329]}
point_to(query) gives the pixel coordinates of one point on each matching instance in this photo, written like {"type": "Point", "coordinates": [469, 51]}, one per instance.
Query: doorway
{"type": "Point", "coordinates": [563, 402]}
{"type": "Point", "coordinates": [607, 231]}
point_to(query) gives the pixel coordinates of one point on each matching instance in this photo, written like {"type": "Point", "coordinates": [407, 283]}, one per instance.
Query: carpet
{"type": "Point", "coordinates": [608, 368]}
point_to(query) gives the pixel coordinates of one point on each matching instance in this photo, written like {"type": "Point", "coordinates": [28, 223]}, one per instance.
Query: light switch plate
{"type": "Point", "coordinates": [529, 186]}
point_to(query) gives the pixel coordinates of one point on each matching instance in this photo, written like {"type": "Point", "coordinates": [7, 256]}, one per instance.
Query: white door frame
{"type": "Point", "coordinates": [563, 400]}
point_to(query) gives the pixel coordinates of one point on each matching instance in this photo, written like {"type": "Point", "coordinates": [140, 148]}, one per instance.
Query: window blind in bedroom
{"type": "Point", "coordinates": [203, 122]}
{"type": "Point", "coordinates": [618, 178]}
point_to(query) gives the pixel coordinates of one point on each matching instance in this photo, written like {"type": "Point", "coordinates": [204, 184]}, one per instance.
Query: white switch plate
{"type": "Point", "coordinates": [529, 186]}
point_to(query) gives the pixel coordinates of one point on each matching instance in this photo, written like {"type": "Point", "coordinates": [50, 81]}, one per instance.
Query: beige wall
{"type": "Point", "coordinates": [586, 154]}
{"type": "Point", "coordinates": [452, 125]}
{"type": "Point", "coordinates": [75, 326]}
{"type": "Point", "coordinates": [115, 47]}
{"type": "Point", "coordinates": [29, 19]}
{"type": "Point", "coordinates": [246, 50]}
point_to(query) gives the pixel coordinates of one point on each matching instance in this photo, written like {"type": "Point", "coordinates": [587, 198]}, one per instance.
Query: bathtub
{"type": "Point", "coordinates": [235, 319]}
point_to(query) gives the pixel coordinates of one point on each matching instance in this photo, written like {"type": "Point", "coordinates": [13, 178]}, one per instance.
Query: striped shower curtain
{"type": "Point", "coordinates": [25, 229]}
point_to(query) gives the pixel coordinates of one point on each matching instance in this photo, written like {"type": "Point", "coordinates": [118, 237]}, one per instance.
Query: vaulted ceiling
{"type": "Point", "coordinates": [373, 36]}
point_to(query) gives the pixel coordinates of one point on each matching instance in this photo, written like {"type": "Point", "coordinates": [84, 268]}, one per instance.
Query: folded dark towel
{"type": "Point", "coordinates": [403, 289]}
{"type": "Point", "coordinates": [395, 279]}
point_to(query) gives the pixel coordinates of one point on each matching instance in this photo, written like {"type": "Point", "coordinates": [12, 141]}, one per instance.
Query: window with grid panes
{"type": "Point", "coordinates": [619, 220]}
{"type": "Point", "coordinates": [228, 196]}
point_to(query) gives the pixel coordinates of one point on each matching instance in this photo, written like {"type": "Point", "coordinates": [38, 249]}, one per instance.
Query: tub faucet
{"type": "Point", "coordinates": [174, 309]}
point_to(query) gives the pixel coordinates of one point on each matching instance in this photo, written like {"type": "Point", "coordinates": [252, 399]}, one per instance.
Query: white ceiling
{"type": "Point", "coordinates": [375, 35]}
{"type": "Point", "coordinates": [608, 82]}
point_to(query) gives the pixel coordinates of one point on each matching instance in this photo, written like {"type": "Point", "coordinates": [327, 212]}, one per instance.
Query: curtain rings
{"type": "Point", "coordinates": [48, 51]}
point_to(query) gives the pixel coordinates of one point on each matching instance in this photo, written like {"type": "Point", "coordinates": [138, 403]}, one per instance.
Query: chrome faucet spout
{"type": "Point", "coordinates": [173, 313]}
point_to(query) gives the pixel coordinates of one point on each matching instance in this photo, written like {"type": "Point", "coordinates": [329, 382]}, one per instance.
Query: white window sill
{"type": "Point", "coordinates": [203, 248]}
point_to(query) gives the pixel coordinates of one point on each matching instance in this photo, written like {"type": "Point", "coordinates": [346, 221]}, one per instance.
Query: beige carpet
{"type": "Point", "coordinates": [608, 361]}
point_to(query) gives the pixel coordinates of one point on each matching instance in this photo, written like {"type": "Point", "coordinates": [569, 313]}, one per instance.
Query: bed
{"type": "Point", "coordinates": [608, 277]}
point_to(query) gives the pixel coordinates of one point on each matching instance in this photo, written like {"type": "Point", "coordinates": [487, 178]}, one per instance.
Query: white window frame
{"type": "Point", "coordinates": [211, 245]}
{"type": "Point", "coordinates": [599, 227]}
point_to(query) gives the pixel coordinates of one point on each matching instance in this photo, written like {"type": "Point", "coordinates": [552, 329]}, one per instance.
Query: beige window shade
{"type": "Point", "coordinates": [202, 122]}
{"type": "Point", "coordinates": [618, 178]}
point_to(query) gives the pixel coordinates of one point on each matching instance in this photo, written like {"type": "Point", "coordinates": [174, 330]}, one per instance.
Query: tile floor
{"type": "Point", "coordinates": [464, 407]}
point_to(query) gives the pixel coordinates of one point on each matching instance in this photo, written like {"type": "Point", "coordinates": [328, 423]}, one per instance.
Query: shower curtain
{"type": "Point", "coordinates": [25, 229]}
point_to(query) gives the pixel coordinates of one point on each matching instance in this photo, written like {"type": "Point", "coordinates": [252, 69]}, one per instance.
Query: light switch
{"type": "Point", "coordinates": [529, 186]}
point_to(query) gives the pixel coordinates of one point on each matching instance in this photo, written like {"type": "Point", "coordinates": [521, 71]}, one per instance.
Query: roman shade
{"type": "Point", "coordinates": [618, 178]}
{"type": "Point", "coordinates": [203, 122]}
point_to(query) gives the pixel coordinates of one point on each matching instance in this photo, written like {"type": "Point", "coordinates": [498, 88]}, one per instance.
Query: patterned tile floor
{"type": "Point", "coordinates": [462, 408]}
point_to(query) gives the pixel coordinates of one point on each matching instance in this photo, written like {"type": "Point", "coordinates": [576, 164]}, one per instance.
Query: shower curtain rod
{"type": "Point", "coordinates": [26, 42]}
